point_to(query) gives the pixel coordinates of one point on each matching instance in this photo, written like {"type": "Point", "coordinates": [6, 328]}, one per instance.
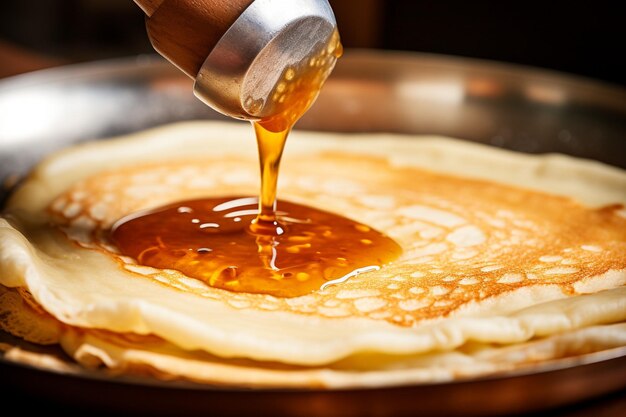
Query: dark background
{"type": "Point", "coordinates": [585, 38]}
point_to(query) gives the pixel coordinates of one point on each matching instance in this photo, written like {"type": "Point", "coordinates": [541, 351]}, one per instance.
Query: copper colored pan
{"type": "Point", "coordinates": [523, 109]}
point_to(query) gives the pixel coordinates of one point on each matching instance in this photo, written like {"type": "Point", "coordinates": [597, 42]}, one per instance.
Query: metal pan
{"type": "Point", "coordinates": [523, 109]}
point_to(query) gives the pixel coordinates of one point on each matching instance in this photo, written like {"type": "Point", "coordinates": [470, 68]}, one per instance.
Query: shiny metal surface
{"type": "Point", "coordinates": [523, 109]}
{"type": "Point", "coordinates": [241, 72]}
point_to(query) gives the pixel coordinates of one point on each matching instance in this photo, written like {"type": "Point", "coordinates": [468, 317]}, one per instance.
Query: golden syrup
{"type": "Point", "coordinates": [210, 239]}
{"type": "Point", "coordinates": [295, 92]}
{"type": "Point", "coordinates": [253, 245]}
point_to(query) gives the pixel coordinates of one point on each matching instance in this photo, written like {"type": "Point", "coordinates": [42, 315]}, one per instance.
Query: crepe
{"type": "Point", "coordinates": [504, 255]}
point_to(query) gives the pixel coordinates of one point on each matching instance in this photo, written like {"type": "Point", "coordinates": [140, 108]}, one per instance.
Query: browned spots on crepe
{"type": "Point", "coordinates": [464, 240]}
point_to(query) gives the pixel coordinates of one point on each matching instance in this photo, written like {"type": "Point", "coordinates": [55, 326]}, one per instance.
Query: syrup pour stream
{"type": "Point", "coordinates": [245, 244]}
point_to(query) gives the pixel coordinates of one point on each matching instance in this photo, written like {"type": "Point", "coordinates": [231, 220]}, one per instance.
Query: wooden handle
{"type": "Point", "coordinates": [185, 31]}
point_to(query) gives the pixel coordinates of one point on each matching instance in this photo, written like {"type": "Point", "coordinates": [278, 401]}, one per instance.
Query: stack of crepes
{"type": "Point", "coordinates": [509, 260]}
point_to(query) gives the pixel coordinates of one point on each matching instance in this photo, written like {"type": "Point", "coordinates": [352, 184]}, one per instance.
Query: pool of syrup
{"type": "Point", "coordinates": [212, 240]}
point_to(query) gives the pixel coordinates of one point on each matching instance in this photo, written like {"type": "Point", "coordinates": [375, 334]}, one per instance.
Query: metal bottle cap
{"type": "Point", "coordinates": [270, 36]}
